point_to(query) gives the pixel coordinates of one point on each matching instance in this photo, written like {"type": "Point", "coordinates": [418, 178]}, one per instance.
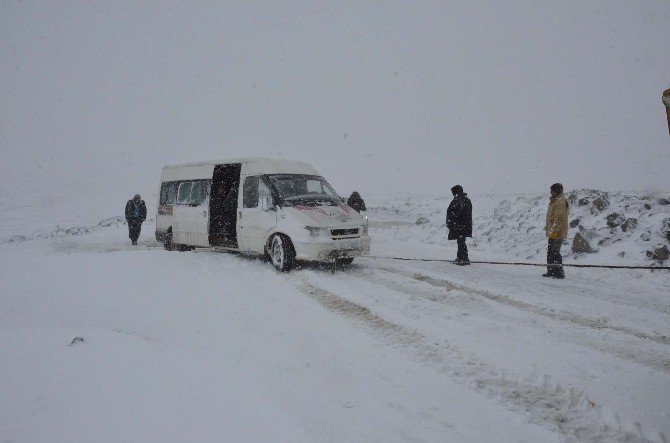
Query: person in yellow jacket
{"type": "Point", "coordinates": [557, 230]}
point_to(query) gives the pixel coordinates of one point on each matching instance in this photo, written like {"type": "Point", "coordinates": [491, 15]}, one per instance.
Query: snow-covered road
{"type": "Point", "coordinates": [207, 346]}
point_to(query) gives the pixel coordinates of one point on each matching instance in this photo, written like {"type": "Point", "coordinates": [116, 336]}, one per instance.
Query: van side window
{"type": "Point", "coordinates": [198, 193]}
{"type": "Point", "coordinates": [184, 193]}
{"type": "Point", "coordinates": [250, 192]}
{"type": "Point", "coordinates": [168, 193]}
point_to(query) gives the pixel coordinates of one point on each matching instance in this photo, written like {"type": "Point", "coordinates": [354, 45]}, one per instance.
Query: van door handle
{"type": "Point", "coordinates": [204, 213]}
{"type": "Point", "coordinates": [240, 215]}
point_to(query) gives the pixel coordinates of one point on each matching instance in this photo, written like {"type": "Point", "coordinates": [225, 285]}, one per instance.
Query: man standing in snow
{"type": "Point", "coordinates": [136, 213]}
{"type": "Point", "coordinates": [459, 223]}
{"type": "Point", "coordinates": [666, 102]}
{"type": "Point", "coordinates": [355, 201]}
{"type": "Point", "coordinates": [556, 230]}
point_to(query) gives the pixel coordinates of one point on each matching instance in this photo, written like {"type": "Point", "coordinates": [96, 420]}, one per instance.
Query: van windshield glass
{"type": "Point", "coordinates": [303, 189]}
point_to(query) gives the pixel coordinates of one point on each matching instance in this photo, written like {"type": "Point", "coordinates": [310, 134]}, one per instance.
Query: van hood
{"type": "Point", "coordinates": [326, 216]}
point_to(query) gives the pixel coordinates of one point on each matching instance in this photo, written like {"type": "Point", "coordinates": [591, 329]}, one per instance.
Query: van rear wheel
{"type": "Point", "coordinates": [282, 254]}
{"type": "Point", "coordinates": [168, 245]}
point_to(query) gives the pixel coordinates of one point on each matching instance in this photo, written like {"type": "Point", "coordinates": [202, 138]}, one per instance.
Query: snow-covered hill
{"type": "Point", "coordinates": [625, 228]}
{"type": "Point", "coordinates": [618, 228]}
{"type": "Point", "coordinates": [103, 341]}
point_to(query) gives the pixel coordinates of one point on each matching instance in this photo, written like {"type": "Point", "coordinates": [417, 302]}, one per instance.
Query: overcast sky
{"type": "Point", "coordinates": [382, 97]}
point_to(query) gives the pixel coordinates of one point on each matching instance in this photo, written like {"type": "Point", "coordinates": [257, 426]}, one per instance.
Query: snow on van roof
{"type": "Point", "coordinates": [255, 165]}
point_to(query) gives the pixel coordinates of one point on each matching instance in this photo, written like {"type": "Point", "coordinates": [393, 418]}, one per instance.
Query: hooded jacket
{"type": "Point", "coordinates": [142, 211]}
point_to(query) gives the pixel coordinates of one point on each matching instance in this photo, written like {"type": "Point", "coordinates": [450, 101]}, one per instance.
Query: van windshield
{"type": "Point", "coordinates": [303, 189]}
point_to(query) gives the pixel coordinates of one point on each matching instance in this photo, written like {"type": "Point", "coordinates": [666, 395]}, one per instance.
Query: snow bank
{"type": "Point", "coordinates": [621, 227]}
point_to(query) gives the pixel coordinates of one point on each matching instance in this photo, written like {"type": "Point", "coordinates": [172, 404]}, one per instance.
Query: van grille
{"type": "Point", "coordinates": [344, 233]}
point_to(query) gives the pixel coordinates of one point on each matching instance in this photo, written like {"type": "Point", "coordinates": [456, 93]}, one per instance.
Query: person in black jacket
{"type": "Point", "coordinates": [355, 201]}
{"type": "Point", "coordinates": [136, 213]}
{"type": "Point", "coordinates": [459, 223]}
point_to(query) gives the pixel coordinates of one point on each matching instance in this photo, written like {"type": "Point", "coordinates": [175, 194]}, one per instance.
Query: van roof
{"type": "Point", "coordinates": [251, 166]}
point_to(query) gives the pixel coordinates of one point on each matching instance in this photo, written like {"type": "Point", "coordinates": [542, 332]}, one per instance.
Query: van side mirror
{"type": "Point", "coordinates": [266, 203]}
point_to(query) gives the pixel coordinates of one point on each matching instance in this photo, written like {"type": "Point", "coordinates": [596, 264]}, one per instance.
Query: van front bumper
{"type": "Point", "coordinates": [331, 249]}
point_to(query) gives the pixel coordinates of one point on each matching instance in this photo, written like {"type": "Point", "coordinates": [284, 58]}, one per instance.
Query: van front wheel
{"type": "Point", "coordinates": [346, 261]}
{"type": "Point", "coordinates": [282, 253]}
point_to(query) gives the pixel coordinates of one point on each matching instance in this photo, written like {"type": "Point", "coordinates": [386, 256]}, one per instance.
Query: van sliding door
{"type": "Point", "coordinates": [223, 205]}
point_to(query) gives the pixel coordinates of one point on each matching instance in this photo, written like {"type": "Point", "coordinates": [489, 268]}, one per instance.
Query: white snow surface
{"type": "Point", "coordinates": [209, 346]}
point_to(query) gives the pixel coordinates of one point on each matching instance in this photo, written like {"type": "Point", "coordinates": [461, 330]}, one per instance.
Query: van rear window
{"type": "Point", "coordinates": [184, 193]}
{"type": "Point", "coordinates": [198, 193]}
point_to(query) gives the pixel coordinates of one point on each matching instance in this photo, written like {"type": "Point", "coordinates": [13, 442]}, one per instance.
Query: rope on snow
{"type": "Point", "coordinates": [572, 265]}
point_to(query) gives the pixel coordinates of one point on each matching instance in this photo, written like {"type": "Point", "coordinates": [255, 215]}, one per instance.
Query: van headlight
{"type": "Point", "coordinates": [317, 232]}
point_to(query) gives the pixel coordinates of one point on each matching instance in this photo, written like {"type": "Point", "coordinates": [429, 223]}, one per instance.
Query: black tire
{"type": "Point", "coordinates": [282, 254]}
{"type": "Point", "coordinates": [167, 244]}
{"type": "Point", "coordinates": [345, 261]}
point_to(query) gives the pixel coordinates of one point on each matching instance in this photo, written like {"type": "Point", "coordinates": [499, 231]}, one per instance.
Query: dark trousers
{"type": "Point", "coordinates": [134, 228]}
{"type": "Point", "coordinates": [462, 253]}
{"type": "Point", "coordinates": [554, 257]}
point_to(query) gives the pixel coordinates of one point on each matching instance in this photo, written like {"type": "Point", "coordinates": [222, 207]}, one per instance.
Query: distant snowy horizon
{"type": "Point", "coordinates": [382, 98]}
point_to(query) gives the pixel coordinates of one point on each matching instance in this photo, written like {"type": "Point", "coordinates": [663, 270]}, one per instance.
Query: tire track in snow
{"type": "Point", "coordinates": [644, 358]}
{"type": "Point", "coordinates": [547, 312]}
{"type": "Point", "coordinates": [567, 411]}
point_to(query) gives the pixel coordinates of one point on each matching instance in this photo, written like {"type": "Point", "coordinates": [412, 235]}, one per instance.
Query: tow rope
{"type": "Point", "coordinates": [571, 265]}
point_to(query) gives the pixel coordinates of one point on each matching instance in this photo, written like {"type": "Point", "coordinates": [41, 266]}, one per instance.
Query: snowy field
{"type": "Point", "coordinates": [101, 341]}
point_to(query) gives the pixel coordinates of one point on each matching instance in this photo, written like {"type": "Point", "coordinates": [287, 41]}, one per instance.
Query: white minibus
{"type": "Point", "coordinates": [282, 209]}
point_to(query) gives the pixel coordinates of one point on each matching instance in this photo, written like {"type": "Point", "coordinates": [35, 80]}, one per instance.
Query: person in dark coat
{"type": "Point", "coordinates": [355, 201]}
{"type": "Point", "coordinates": [136, 213]}
{"type": "Point", "coordinates": [459, 223]}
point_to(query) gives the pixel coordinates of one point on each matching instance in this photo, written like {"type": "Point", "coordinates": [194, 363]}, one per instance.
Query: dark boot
{"type": "Point", "coordinates": [554, 259]}
{"type": "Point", "coordinates": [462, 254]}
{"type": "Point", "coordinates": [464, 258]}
